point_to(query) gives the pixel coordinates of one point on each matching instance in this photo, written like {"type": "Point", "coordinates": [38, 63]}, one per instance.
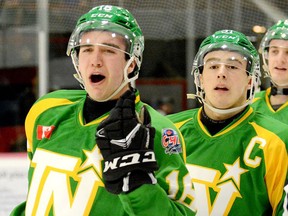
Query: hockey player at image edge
{"type": "Point", "coordinates": [237, 157]}
{"type": "Point", "coordinates": [101, 150]}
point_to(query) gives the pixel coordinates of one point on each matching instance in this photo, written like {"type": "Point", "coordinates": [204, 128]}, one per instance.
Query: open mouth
{"type": "Point", "coordinates": [281, 69]}
{"type": "Point", "coordinates": [221, 88]}
{"type": "Point", "coordinates": [96, 78]}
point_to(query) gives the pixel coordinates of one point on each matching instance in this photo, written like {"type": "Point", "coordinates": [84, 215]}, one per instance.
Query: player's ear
{"type": "Point", "coordinates": [249, 82]}
{"type": "Point", "coordinates": [131, 67]}
{"type": "Point", "coordinates": [201, 80]}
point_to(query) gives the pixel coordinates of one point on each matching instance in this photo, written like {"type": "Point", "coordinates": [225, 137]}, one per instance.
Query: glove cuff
{"type": "Point", "coordinates": [130, 182]}
{"type": "Point", "coordinates": [137, 178]}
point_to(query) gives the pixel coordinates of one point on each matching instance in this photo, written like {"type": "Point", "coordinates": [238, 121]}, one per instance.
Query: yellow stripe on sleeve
{"type": "Point", "coordinates": [276, 163]}
{"type": "Point", "coordinates": [35, 111]}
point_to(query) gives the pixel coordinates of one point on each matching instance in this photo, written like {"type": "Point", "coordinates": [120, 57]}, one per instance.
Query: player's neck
{"type": "Point", "coordinates": [214, 126]}
{"type": "Point", "coordinates": [93, 109]}
{"type": "Point", "coordinates": [278, 99]}
{"type": "Point", "coordinates": [215, 116]}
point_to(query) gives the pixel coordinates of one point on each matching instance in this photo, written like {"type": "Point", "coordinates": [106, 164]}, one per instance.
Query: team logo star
{"type": "Point", "coordinates": [234, 171]}
{"type": "Point", "coordinates": [94, 159]}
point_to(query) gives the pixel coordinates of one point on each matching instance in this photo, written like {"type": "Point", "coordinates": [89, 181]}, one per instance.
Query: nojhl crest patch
{"type": "Point", "coordinates": [171, 142]}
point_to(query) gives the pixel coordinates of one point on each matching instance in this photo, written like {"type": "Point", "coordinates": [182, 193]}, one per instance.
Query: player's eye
{"type": "Point", "coordinates": [274, 51]}
{"type": "Point", "coordinates": [109, 50]}
{"type": "Point", "coordinates": [232, 67]}
{"type": "Point", "coordinates": [86, 49]}
{"type": "Point", "coordinates": [214, 67]}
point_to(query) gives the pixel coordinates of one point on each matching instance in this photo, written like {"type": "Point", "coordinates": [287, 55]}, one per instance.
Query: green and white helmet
{"type": "Point", "coordinates": [232, 41]}
{"type": "Point", "coordinates": [279, 31]}
{"type": "Point", "coordinates": [119, 22]}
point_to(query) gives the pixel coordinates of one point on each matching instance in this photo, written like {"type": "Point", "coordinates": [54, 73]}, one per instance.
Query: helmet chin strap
{"type": "Point", "coordinates": [277, 85]}
{"type": "Point", "coordinates": [216, 110]}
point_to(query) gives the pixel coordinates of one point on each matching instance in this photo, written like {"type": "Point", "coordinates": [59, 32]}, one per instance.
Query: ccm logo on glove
{"type": "Point", "coordinates": [129, 160]}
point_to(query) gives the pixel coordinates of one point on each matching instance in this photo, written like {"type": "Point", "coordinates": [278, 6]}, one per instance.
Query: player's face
{"type": "Point", "coordinates": [101, 63]}
{"type": "Point", "coordinates": [224, 79]}
{"type": "Point", "coordinates": [278, 61]}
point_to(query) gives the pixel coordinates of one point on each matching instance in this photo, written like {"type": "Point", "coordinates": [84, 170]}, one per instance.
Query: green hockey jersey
{"type": "Point", "coordinates": [262, 104]}
{"type": "Point", "coordinates": [65, 174]}
{"type": "Point", "coordinates": [241, 170]}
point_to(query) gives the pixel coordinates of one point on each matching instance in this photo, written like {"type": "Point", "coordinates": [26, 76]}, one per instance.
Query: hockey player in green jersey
{"type": "Point", "coordinates": [274, 100]}
{"type": "Point", "coordinates": [274, 49]}
{"type": "Point", "coordinates": [236, 157]}
{"type": "Point", "coordinates": [101, 151]}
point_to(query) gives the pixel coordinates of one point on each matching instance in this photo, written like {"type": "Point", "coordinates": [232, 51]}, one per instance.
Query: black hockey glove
{"type": "Point", "coordinates": [126, 143]}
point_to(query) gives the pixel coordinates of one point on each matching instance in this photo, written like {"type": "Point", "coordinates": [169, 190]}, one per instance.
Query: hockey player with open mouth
{"type": "Point", "coordinates": [102, 151]}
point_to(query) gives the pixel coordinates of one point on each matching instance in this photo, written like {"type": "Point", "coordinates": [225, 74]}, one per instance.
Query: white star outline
{"type": "Point", "coordinates": [93, 159]}
{"type": "Point", "coordinates": [234, 171]}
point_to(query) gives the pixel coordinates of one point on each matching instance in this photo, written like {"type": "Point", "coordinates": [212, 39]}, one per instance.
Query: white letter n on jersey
{"type": "Point", "coordinates": [50, 185]}
{"type": "Point", "coordinates": [204, 178]}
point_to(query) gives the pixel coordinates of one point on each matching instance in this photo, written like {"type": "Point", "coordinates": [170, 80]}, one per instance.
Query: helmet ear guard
{"type": "Point", "coordinates": [138, 55]}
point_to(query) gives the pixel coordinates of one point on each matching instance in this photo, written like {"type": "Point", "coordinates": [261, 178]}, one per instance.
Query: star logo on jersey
{"type": "Point", "coordinates": [44, 131]}
{"type": "Point", "coordinates": [234, 171]}
{"type": "Point", "coordinates": [171, 142]}
{"type": "Point", "coordinates": [93, 159]}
